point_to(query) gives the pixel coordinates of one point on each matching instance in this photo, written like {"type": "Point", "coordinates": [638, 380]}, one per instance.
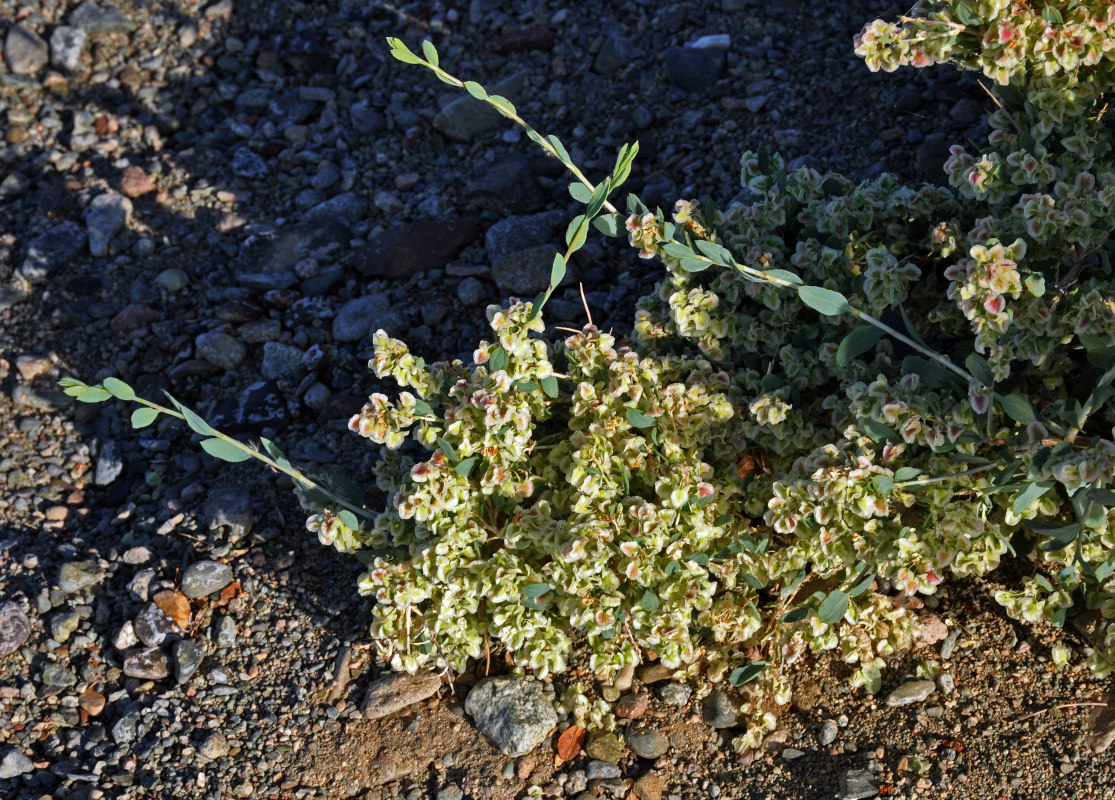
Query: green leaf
{"type": "Point", "coordinates": [1060, 533]}
{"type": "Point", "coordinates": [557, 271]}
{"type": "Point", "coordinates": [1029, 496]}
{"type": "Point", "coordinates": [607, 224]}
{"type": "Point", "coordinates": [503, 105]}
{"type": "Point", "coordinates": [637, 419]}
{"type": "Point", "coordinates": [796, 614]}
{"type": "Point", "coordinates": [716, 252]}
{"type": "Point", "coordinates": [525, 386]}
{"type": "Point", "coordinates": [909, 325]}
{"type": "Point", "coordinates": [695, 264]}
{"type": "Point", "coordinates": [402, 52]}
{"type": "Point", "coordinates": [93, 394]}
{"type": "Point", "coordinates": [196, 423]}
{"type": "Point", "coordinates": [745, 674]}
{"type": "Point", "coordinates": [536, 306]}
{"type": "Point", "coordinates": [498, 359]}
{"type": "Point", "coordinates": [785, 275]}
{"type": "Point", "coordinates": [448, 449]}
{"type": "Point", "coordinates": [635, 205]}
{"type": "Point", "coordinates": [751, 580]}
{"type": "Point", "coordinates": [1105, 569]}
{"type": "Point", "coordinates": [430, 52]}
{"type": "Point", "coordinates": [882, 484]}
{"type": "Point", "coordinates": [862, 586]}
{"type": "Point", "coordinates": [934, 375]}
{"type": "Point", "coordinates": [599, 196]}
{"type": "Point", "coordinates": [1051, 15]}
{"type": "Point", "coordinates": [907, 473]}
{"type": "Point", "coordinates": [142, 417]}
{"type": "Point", "coordinates": [650, 601]}
{"type": "Point", "coordinates": [476, 90]}
{"type": "Point", "coordinates": [118, 389]}
{"type": "Point", "coordinates": [226, 451]}
{"type": "Point", "coordinates": [580, 192]}
{"type": "Point", "coordinates": [1018, 407]}
{"type": "Point", "coordinates": [858, 341]}
{"type": "Point", "coordinates": [550, 386]}
{"type": "Point", "coordinates": [878, 432]}
{"type": "Point", "coordinates": [833, 607]}
{"type": "Point", "coordinates": [464, 467]}
{"type": "Point", "coordinates": [422, 408]}
{"type": "Point", "coordinates": [535, 589]}
{"type": "Point", "coordinates": [677, 250]}
{"type": "Point", "coordinates": [824, 301]}
{"type": "Point", "coordinates": [966, 15]}
{"type": "Point", "coordinates": [698, 558]}
{"type": "Point", "coordinates": [980, 369]}
{"type": "Point", "coordinates": [563, 154]}
{"type": "Point", "coordinates": [349, 520]}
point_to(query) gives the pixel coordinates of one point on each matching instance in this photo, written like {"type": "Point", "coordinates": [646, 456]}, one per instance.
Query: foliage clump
{"type": "Point", "coordinates": [841, 394]}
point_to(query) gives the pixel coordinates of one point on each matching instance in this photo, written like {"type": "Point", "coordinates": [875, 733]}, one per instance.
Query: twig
{"type": "Point", "coordinates": [584, 302]}
{"type": "Point", "coordinates": [1058, 706]}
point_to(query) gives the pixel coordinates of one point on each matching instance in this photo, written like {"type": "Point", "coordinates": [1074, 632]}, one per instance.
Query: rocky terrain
{"type": "Point", "coordinates": [223, 200]}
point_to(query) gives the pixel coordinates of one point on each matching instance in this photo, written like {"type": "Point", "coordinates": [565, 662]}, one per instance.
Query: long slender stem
{"type": "Point", "coordinates": [949, 477]}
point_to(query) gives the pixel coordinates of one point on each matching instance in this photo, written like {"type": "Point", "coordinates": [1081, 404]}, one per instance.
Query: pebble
{"type": "Point", "coordinates": [719, 711]}
{"type": "Point", "coordinates": [106, 215]}
{"type": "Point", "coordinates": [694, 69]}
{"type": "Point", "coordinates": [52, 251]}
{"type": "Point", "coordinates": [25, 52]}
{"type": "Point", "coordinates": [96, 18]}
{"type": "Point", "coordinates": [220, 349]}
{"type": "Point", "coordinates": [215, 746]}
{"type": "Point", "coordinates": [512, 712]}
{"type": "Point", "coordinates": [632, 706]}
{"type": "Point", "coordinates": [857, 784]}
{"type": "Point", "coordinates": [15, 628]}
{"type": "Point", "coordinates": [828, 734]}
{"type": "Point", "coordinates": [397, 691]}
{"type": "Point", "coordinates": [152, 625]}
{"type": "Point", "coordinates": [67, 44]}
{"type": "Point", "coordinates": [63, 625]}
{"type": "Point", "coordinates": [150, 663]}
{"type": "Point", "coordinates": [13, 764]}
{"type": "Point", "coordinates": [467, 118]}
{"type": "Point", "coordinates": [357, 316]}
{"type": "Point", "coordinates": [229, 507]}
{"type": "Point", "coordinates": [470, 291]}
{"type": "Point", "coordinates": [56, 675]}
{"type": "Point", "coordinates": [674, 694]}
{"type": "Point", "coordinates": [204, 578]}
{"type": "Point", "coordinates": [75, 576]}
{"type": "Point", "coordinates": [646, 742]}
{"type": "Point", "coordinates": [601, 770]}
{"type": "Point", "coordinates": [91, 702]}
{"type": "Point", "coordinates": [605, 746]}
{"type": "Point", "coordinates": [280, 361]}
{"type": "Point", "coordinates": [910, 692]}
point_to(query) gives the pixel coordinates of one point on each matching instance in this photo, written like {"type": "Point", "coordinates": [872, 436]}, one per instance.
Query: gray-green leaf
{"type": "Point", "coordinates": [226, 451]}
{"type": "Point", "coordinates": [823, 301]}
{"type": "Point", "coordinates": [118, 389]}
{"type": "Point", "coordinates": [142, 417]}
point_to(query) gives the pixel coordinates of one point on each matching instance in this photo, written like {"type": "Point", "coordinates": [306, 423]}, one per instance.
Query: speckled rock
{"type": "Point", "coordinates": [513, 712]}
{"type": "Point", "coordinates": [205, 577]}
{"type": "Point", "coordinates": [15, 628]}
{"type": "Point", "coordinates": [396, 691]}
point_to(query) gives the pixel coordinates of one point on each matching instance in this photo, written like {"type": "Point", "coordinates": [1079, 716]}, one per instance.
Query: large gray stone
{"type": "Point", "coordinates": [25, 51]}
{"type": "Point", "coordinates": [513, 234]}
{"type": "Point", "coordinates": [78, 575]}
{"type": "Point", "coordinates": [100, 18]}
{"type": "Point", "coordinates": [396, 691]}
{"type": "Point", "coordinates": [513, 712]}
{"type": "Point", "coordinates": [280, 360]}
{"type": "Point", "coordinates": [357, 317]}
{"type": "Point", "coordinates": [148, 664]}
{"type": "Point", "coordinates": [107, 214]}
{"type": "Point", "coordinates": [15, 628]}
{"type": "Point", "coordinates": [220, 349]}
{"type": "Point", "coordinates": [348, 208]}
{"type": "Point", "coordinates": [266, 261]}
{"type": "Point", "coordinates": [694, 69]}
{"type": "Point", "coordinates": [52, 250]}
{"type": "Point", "coordinates": [205, 577]}
{"type": "Point", "coordinates": [857, 784]}
{"type": "Point", "coordinates": [231, 506]}
{"type": "Point", "coordinates": [14, 764]}
{"type": "Point", "coordinates": [403, 250]}
{"type": "Point", "coordinates": [911, 692]}
{"type": "Point", "coordinates": [67, 43]}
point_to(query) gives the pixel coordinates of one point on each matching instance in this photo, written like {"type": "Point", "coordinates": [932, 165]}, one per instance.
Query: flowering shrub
{"type": "Point", "coordinates": [840, 394]}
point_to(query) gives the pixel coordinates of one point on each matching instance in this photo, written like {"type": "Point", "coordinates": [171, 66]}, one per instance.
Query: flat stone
{"type": "Point", "coordinates": [719, 711]}
{"type": "Point", "coordinates": [605, 746]}
{"type": "Point", "coordinates": [674, 694]}
{"type": "Point", "coordinates": [261, 405]}
{"type": "Point", "coordinates": [857, 784]}
{"type": "Point", "coordinates": [77, 575]}
{"type": "Point", "coordinates": [13, 764]}
{"type": "Point", "coordinates": [467, 118]}
{"type": "Point", "coordinates": [25, 51]}
{"type": "Point", "coordinates": [91, 702]}
{"type": "Point", "coordinates": [396, 691]}
{"type": "Point", "coordinates": [152, 625]}
{"type": "Point", "coordinates": [63, 625]}
{"type": "Point", "coordinates": [231, 507]}
{"type": "Point", "coordinates": [349, 208]}
{"type": "Point", "coordinates": [215, 746]}
{"type": "Point", "coordinates": [135, 182]}
{"type": "Point", "coordinates": [15, 628]}
{"type": "Point", "coordinates": [694, 69]}
{"type": "Point", "coordinates": [829, 731]}
{"type": "Point", "coordinates": [204, 578]}
{"type": "Point", "coordinates": [646, 742]}
{"type": "Point", "coordinates": [280, 360]}
{"type": "Point", "coordinates": [513, 712]}
{"type": "Point", "coordinates": [106, 214]}
{"type": "Point", "coordinates": [525, 272]}
{"type": "Point", "coordinates": [67, 43]}
{"type": "Point", "coordinates": [404, 250]}
{"type": "Point", "coordinates": [509, 186]}
{"type": "Point", "coordinates": [632, 705]}
{"type": "Point", "coordinates": [57, 675]}
{"type": "Point", "coordinates": [52, 250]}
{"type": "Point", "coordinates": [187, 658]}
{"type": "Point", "coordinates": [911, 692]}
{"type": "Point", "coordinates": [110, 463]}
{"type": "Point", "coordinates": [357, 317]}
{"type": "Point", "coordinates": [220, 349]}
{"type": "Point", "coordinates": [150, 663]}
{"type": "Point", "coordinates": [126, 729]}
{"type": "Point", "coordinates": [100, 18]}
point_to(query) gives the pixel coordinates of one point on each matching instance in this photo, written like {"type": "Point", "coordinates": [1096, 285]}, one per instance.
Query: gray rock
{"type": "Point", "coordinates": [404, 250]}
{"type": "Point", "coordinates": [63, 625]}
{"type": "Point", "coordinates": [205, 577]}
{"type": "Point", "coordinates": [232, 507]}
{"type": "Point", "coordinates": [694, 69]}
{"type": "Point", "coordinates": [261, 405]}
{"type": "Point", "coordinates": [349, 208]}
{"type": "Point", "coordinates": [14, 184]}
{"type": "Point", "coordinates": [100, 18]}
{"type": "Point", "coordinates": [719, 711]}
{"type": "Point", "coordinates": [107, 214]}
{"type": "Point", "coordinates": [78, 575]}
{"type": "Point", "coordinates": [829, 731]}
{"type": "Point", "coordinates": [25, 51]}
{"type": "Point", "coordinates": [467, 118]}
{"type": "Point", "coordinates": [292, 109]}
{"type": "Point", "coordinates": [280, 360]}
{"type": "Point", "coordinates": [149, 664]}
{"type": "Point", "coordinates": [57, 675]}
{"type": "Point", "coordinates": [215, 746]}
{"type": "Point", "coordinates": [601, 771]}
{"type": "Point", "coordinates": [365, 118]}
{"type": "Point", "coordinates": [507, 187]}
{"type": "Point", "coordinates": [109, 463]}
{"type": "Point", "coordinates": [513, 712]}
{"type": "Point", "coordinates": [513, 234]}
{"type": "Point", "coordinates": [226, 632]}
{"type": "Point", "coordinates": [325, 177]}
{"type": "Point", "coordinates": [140, 584]}
{"type": "Point", "coordinates": [247, 164]}
{"type": "Point", "coordinates": [220, 349]}
{"type": "Point", "coordinates": [911, 692]}
{"type": "Point", "coordinates": [125, 638]}
{"type": "Point", "coordinates": [857, 784]}
{"type": "Point", "coordinates": [52, 250]}
{"type": "Point", "coordinates": [470, 291]}
{"type": "Point", "coordinates": [14, 764]}
{"type": "Point", "coordinates": [646, 742]}
{"type": "Point", "coordinates": [15, 628]}
{"type": "Point", "coordinates": [267, 261]}
{"type": "Point", "coordinates": [966, 111]}
{"type": "Point", "coordinates": [172, 280]}
{"type": "Point", "coordinates": [396, 691]}
{"type": "Point", "coordinates": [126, 729]}
{"type": "Point", "coordinates": [946, 683]}
{"type": "Point", "coordinates": [152, 625]}
{"type": "Point", "coordinates": [675, 694]}
{"type": "Point", "coordinates": [357, 317]}
{"type": "Point", "coordinates": [66, 46]}
{"type": "Point", "coordinates": [525, 272]}
{"type": "Point", "coordinates": [187, 658]}
{"type": "Point", "coordinates": [614, 54]}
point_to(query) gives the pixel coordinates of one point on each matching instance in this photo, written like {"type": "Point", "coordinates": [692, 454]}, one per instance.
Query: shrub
{"type": "Point", "coordinates": [840, 393]}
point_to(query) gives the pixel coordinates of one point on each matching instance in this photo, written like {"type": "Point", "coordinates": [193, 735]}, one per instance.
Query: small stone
{"type": "Point", "coordinates": [57, 675]}
{"type": "Point", "coordinates": [949, 645]}
{"type": "Point", "coordinates": [222, 9]}
{"type": "Point", "coordinates": [96, 18]}
{"type": "Point", "coordinates": [857, 784]}
{"type": "Point", "coordinates": [78, 575]}
{"type": "Point", "coordinates": [829, 731]}
{"type": "Point", "coordinates": [513, 712]}
{"type": "Point", "coordinates": [106, 214]}
{"type": "Point", "coordinates": [348, 208]}
{"type": "Point", "coordinates": [280, 361]}
{"type": "Point", "coordinates": [470, 291]}
{"type": "Point", "coordinates": [205, 578]}
{"type": "Point", "coordinates": [150, 663]}
{"type": "Point", "coordinates": [247, 164]}
{"type": "Point", "coordinates": [125, 729]}
{"type": "Point", "coordinates": [388, 202]}
{"type": "Point", "coordinates": [13, 764]}
{"type": "Point", "coordinates": [654, 673]}
{"type": "Point", "coordinates": [152, 625]}
{"type": "Point", "coordinates": [231, 507]}
{"type": "Point", "coordinates": [125, 638]}
{"type": "Point", "coordinates": [15, 628]}
{"type": "Point", "coordinates": [605, 746]}
{"type": "Point", "coordinates": [407, 180]}
{"type": "Point", "coordinates": [52, 250]}
{"type": "Point", "coordinates": [650, 786]}
{"type": "Point", "coordinates": [135, 183]}
{"type": "Point", "coordinates": [694, 69]}
{"type": "Point", "coordinates": [614, 54]}
{"type": "Point", "coordinates": [396, 691]}
{"type": "Point", "coordinates": [137, 556]}
{"type": "Point", "coordinates": [932, 154]}
{"type": "Point", "coordinates": [790, 753]}
{"type": "Point", "coordinates": [63, 625]}
{"type": "Point", "coordinates": [601, 771]}
{"type": "Point", "coordinates": [522, 41]}
{"type": "Point", "coordinates": [719, 712]}
{"type": "Point", "coordinates": [910, 692]}
{"type": "Point", "coordinates": [220, 349]}
{"type": "Point", "coordinates": [525, 272]}
{"type": "Point", "coordinates": [187, 658]}
{"type": "Point", "coordinates": [91, 702]}
{"type": "Point", "coordinates": [25, 52]}
{"type": "Point", "coordinates": [646, 742]}
{"type": "Point", "coordinates": [404, 250]}
{"type": "Point", "coordinates": [226, 633]}
{"type": "Point", "coordinates": [357, 317]}
{"type": "Point", "coordinates": [215, 746]}
{"type": "Point", "coordinates": [674, 694]}
{"type": "Point", "coordinates": [67, 43]}
{"type": "Point", "coordinates": [466, 118]}
{"type": "Point", "coordinates": [632, 706]}
{"type": "Point", "coordinates": [946, 683]}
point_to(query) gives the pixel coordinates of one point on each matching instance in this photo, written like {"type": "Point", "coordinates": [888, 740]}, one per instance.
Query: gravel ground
{"type": "Point", "coordinates": [221, 199]}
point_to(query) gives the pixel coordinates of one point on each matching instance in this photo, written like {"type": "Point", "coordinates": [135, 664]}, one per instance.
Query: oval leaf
{"type": "Point", "coordinates": [824, 301]}
{"type": "Point", "coordinates": [118, 389]}
{"type": "Point", "coordinates": [430, 52]}
{"type": "Point", "coordinates": [695, 264]}
{"type": "Point", "coordinates": [650, 601]}
{"type": "Point", "coordinates": [219, 448]}
{"type": "Point", "coordinates": [557, 271]}
{"type": "Point", "coordinates": [142, 417]}
{"type": "Point", "coordinates": [638, 419]}
{"type": "Point", "coordinates": [570, 741]}
{"type": "Point", "coordinates": [716, 252]}
{"type": "Point", "coordinates": [746, 674]}
{"type": "Point", "coordinates": [858, 341]}
{"type": "Point", "coordinates": [833, 607]}
{"type": "Point", "coordinates": [1018, 407]}
{"type": "Point", "coordinates": [535, 589]}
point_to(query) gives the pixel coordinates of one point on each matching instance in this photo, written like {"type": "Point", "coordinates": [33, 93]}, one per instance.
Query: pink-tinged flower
{"type": "Point", "coordinates": [705, 489]}
{"type": "Point", "coordinates": [629, 548]}
{"type": "Point", "coordinates": [354, 423]}
{"type": "Point", "coordinates": [979, 400]}
{"type": "Point", "coordinates": [995, 304]}
{"type": "Point", "coordinates": [1007, 32]}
